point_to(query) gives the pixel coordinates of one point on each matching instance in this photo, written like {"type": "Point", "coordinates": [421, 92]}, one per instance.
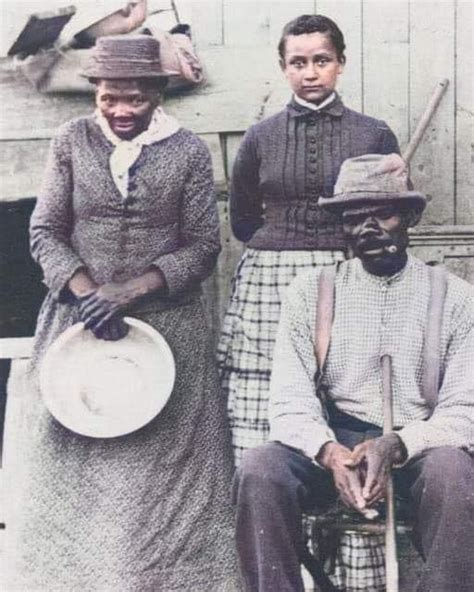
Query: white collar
{"type": "Point", "coordinates": [126, 152]}
{"type": "Point", "coordinates": [312, 106]}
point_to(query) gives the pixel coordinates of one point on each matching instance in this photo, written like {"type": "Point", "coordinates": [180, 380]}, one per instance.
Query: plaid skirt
{"type": "Point", "coordinates": [245, 354]}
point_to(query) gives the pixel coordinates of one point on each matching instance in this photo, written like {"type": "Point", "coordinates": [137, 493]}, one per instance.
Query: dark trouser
{"type": "Point", "coordinates": [275, 485]}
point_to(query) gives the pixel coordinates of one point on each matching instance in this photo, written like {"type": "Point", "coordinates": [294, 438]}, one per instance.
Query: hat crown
{"type": "Point", "coordinates": [128, 48]}
{"type": "Point", "coordinates": [372, 173]}
{"type": "Point", "coordinates": [125, 56]}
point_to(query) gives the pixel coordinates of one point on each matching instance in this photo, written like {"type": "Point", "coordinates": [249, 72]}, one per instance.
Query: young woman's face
{"type": "Point", "coordinates": [311, 66]}
{"type": "Point", "coordinates": [127, 105]}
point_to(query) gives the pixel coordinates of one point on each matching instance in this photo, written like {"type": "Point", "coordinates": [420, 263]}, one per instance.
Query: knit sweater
{"type": "Point", "coordinates": [168, 219]}
{"type": "Point", "coordinates": [286, 162]}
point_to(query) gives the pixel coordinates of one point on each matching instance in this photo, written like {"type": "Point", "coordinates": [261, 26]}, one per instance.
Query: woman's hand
{"type": "Point", "coordinates": [101, 310]}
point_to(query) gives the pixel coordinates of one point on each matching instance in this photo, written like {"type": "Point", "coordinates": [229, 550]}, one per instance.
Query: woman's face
{"type": "Point", "coordinates": [311, 66]}
{"type": "Point", "coordinates": [127, 105]}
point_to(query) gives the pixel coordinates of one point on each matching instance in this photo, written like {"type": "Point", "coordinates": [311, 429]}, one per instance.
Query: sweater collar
{"type": "Point", "coordinates": [334, 107]}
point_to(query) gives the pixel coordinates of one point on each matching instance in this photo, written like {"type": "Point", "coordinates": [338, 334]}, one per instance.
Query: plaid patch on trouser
{"type": "Point", "coordinates": [245, 354]}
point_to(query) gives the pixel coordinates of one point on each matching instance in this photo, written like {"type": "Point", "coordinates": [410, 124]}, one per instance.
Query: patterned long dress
{"type": "Point", "coordinates": [149, 511]}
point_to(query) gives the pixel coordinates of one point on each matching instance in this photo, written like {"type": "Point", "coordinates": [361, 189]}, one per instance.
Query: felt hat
{"type": "Point", "coordinates": [125, 56]}
{"type": "Point", "coordinates": [373, 179]}
{"type": "Point", "coordinates": [105, 389]}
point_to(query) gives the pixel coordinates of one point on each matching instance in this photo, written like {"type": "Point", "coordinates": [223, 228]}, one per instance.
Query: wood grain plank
{"type": "Point", "coordinates": [205, 18]}
{"type": "Point", "coordinates": [214, 144]}
{"type": "Point", "coordinates": [233, 142]}
{"type": "Point", "coordinates": [215, 107]}
{"type": "Point", "coordinates": [21, 168]}
{"type": "Point", "coordinates": [23, 161]}
{"type": "Point", "coordinates": [431, 59]}
{"type": "Point", "coordinates": [386, 64]}
{"type": "Point", "coordinates": [464, 213]}
{"type": "Point", "coordinates": [12, 348]}
{"type": "Point", "coordinates": [246, 23]}
{"type": "Point", "coordinates": [348, 16]}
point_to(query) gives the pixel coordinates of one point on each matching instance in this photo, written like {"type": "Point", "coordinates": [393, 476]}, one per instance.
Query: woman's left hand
{"type": "Point", "coordinates": [104, 304]}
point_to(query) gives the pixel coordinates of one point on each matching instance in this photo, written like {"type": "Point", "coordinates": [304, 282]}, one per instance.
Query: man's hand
{"type": "Point", "coordinates": [376, 458]}
{"type": "Point", "coordinates": [336, 458]}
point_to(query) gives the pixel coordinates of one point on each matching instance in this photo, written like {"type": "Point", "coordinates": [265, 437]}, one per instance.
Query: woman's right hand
{"type": "Point", "coordinates": [81, 284]}
{"type": "Point", "coordinates": [82, 287]}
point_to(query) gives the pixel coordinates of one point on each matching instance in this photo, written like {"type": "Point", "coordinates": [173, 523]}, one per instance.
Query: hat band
{"type": "Point", "coordinates": [128, 68]}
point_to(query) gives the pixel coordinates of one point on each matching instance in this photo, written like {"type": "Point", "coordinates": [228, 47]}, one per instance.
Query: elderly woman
{"type": "Point", "coordinates": [126, 221]}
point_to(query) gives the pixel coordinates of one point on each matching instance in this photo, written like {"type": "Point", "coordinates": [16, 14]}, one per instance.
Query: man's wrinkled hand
{"type": "Point", "coordinates": [335, 457]}
{"type": "Point", "coordinates": [375, 458]}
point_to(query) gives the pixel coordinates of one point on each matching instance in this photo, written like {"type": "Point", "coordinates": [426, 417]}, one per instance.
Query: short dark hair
{"type": "Point", "coordinates": [314, 23]}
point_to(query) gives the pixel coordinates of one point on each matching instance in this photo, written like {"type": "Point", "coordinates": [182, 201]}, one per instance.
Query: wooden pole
{"type": "Point", "coordinates": [431, 107]}
{"type": "Point", "coordinates": [391, 561]}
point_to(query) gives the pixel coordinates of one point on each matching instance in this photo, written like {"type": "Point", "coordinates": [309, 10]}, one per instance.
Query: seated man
{"type": "Point", "coordinates": [318, 451]}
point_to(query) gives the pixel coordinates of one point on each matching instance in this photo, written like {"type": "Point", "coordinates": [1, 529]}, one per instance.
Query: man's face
{"type": "Point", "coordinates": [311, 66]}
{"type": "Point", "coordinates": [378, 235]}
{"type": "Point", "coordinates": [127, 105]}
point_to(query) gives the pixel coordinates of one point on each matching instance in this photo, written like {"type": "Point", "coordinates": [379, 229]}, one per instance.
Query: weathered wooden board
{"type": "Point", "coordinates": [386, 64]}
{"type": "Point", "coordinates": [231, 100]}
{"type": "Point", "coordinates": [348, 15]}
{"type": "Point", "coordinates": [232, 145]}
{"type": "Point", "coordinates": [432, 59]}
{"type": "Point", "coordinates": [464, 188]}
{"type": "Point", "coordinates": [22, 165]}
{"type": "Point", "coordinates": [205, 18]}
{"type": "Point", "coordinates": [259, 22]}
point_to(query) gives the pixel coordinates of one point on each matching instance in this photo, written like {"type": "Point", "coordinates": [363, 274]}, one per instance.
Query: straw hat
{"type": "Point", "coordinates": [125, 56]}
{"type": "Point", "coordinates": [104, 389]}
{"type": "Point", "coordinates": [373, 179]}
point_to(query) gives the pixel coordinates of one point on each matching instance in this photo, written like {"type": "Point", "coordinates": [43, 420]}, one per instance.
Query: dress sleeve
{"type": "Point", "coordinates": [246, 211]}
{"type": "Point", "coordinates": [452, 422]}
{"type": "Point", "coordinates": [196, 257]}
{"type": "Point", "coordinates": [295, 411]}
{"type": "Point", "coordinates": [52, 219]}
{"type": "Point", "coordinates": [388, 141]}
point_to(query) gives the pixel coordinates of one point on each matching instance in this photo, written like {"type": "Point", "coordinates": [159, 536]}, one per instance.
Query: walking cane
{"type": "Point", "coordinates": [428, 113]}
{"type": "Point", "coordinates": [391, 561]}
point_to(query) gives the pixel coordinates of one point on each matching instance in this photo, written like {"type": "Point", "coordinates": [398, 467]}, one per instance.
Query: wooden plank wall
{"type": "Point", "coordinates": [397, 50]}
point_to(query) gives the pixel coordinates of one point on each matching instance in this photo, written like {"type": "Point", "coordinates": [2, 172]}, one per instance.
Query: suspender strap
{"type": "Point", "coordinates": [324, 314]}
{"type": "Point", "coordinates": [434, 319]}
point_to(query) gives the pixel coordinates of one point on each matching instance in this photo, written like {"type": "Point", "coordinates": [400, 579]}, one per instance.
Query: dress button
{"type": "Point", "coordinates": [312, 149]}
{"type": "Point", "coordinates": [313, 159]}
{"type": "Point", "coordinates": [313, 169]}
{"type": "Point", "coordinates": [312, 140]}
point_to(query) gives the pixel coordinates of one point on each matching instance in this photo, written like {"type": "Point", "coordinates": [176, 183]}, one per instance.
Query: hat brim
{"type": "Point", "coordinates": [105, 389]}
{"type": "Point", "coordinates": [346, 201]}
{"type": "Point", "coordinates": [101, 75]}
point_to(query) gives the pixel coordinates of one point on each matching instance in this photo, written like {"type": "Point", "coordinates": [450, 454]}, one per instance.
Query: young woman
{"type": "Point", "coordinates": [126, 222]}
{"type": "Point", "coordinates": [284, 164]}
